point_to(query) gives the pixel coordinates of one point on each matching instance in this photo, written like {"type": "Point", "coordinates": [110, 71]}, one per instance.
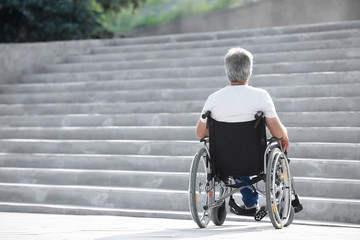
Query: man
{"type": "Point", "coordinates": [239, 102]}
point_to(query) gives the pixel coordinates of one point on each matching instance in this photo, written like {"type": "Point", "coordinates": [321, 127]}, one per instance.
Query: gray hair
{"type": "Point", "coordinates": [238, 64]}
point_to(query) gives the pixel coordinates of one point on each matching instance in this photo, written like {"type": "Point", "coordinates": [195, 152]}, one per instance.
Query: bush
{"type": "Point", "coordinates": [49, 20]}
{"type": "Point", "coordinates": [155, 12]}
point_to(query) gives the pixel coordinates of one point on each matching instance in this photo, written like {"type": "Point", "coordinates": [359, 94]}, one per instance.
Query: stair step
{"type": "Point", "coordinates": [108, 96]}
{"type": "Point", "coordinates": [197, 71]}
{"type": "Point", "coordinates": [101, 133]}
{"type": "Point", "coordinates": [105, 178]}
{"type": "Point", "coordinates": [317, 104]}
{"type": "Point", "coordinates": [324, 134]}
{"type": "Point", "coordinates": [325, 168]}
{"type": "Point", "coordinates": [76, 210]}
{"type": "Point", "coordinates": [116, 54]}
{"type": "Point", "coordinates": [343, 90]}
{"type": "Point", "coordinates": [327, 187]}
{"type": "Point", "coordinates": [101, 108]}
{"type": "Point", "coordinates": [290, 119]}
{"type": "Point", "coordinates": [322, 209]}
{"type": "Point", "coordinates": [305, 186]}
{"type": "Point", "coordinates": [212, 58]}
{"type": "Point", "coordinates": [349, 151]}
{"type": "Point", "coordinates": [282, 105]}
{"type": "Point", "coordinates": [300, 167]}
{"type": "Point", "coordinates": [96, 120]}
{"type": "Point", "coordinates": [126, 147]}
{"type": "Point", "coordinates": [297, 134]}
{"type": "Point", "coordinates": [115, 197]}
{"type": "Point", "coordinates": [339, 208]}
{"type": "Point", "coordinates": [269, 41]}
{"type": "Point", "coordinates": [268, 80]}
{"type": "Point", "coordinates": [151, 163]}
{"type": "Point", "coordinates": [330, 209]}
{"type": "Point", "coordinates": [320, 119]}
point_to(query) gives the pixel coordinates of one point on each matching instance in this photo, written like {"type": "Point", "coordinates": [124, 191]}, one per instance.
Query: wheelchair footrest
{"type": "Point", "coordinates": [260, 214]}
{"type": "Point", "coordinates": [296, 204]}
{"type": "Point", "coordinates": [298, 207]}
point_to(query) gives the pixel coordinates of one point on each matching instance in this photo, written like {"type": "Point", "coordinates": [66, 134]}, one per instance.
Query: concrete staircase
{"type": "Point", "coordinates": [112, 131]}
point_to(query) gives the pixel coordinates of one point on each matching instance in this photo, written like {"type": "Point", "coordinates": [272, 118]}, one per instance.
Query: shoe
{"type": "Point", "coordinates": [243, 210]}
{"type": "Point", "coordinates": [255, 206]}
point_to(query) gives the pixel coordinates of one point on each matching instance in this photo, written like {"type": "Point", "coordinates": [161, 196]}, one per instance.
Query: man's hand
{"type": "Point", "coordinates": [285, 143]}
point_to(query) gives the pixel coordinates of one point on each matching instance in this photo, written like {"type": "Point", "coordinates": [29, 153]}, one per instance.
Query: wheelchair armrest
{"type": "Point", "coordinates": [274, 139]}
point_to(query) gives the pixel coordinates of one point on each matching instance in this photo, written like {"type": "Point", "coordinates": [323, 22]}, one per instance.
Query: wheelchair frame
{"type": "Point", "coordinates": [207, 197]}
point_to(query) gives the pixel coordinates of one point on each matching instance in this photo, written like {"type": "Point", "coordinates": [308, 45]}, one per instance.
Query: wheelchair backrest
{"type": "Point", "coordinates": [237, 149]}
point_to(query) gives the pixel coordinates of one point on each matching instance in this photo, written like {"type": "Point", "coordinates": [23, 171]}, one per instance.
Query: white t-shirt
{"type": "Point", "coordinates": [238, 103]}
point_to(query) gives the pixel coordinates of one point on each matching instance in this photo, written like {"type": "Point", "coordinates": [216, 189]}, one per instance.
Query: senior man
{"type": "Point", "coordinates": [239, 102]}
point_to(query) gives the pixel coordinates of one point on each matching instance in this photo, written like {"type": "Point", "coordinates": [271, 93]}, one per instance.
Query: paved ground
{"type": "Point", "coordinates": [46, 226]}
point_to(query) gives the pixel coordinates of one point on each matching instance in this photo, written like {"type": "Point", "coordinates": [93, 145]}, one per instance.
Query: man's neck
{"type": "Point", "coordinates": [239, 83]}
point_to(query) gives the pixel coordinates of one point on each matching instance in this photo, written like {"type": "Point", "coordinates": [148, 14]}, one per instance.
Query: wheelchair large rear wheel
{"type": "Point", "coordinates": [200, 194]}
{"type": "Point", "coordinates": [278, 189]}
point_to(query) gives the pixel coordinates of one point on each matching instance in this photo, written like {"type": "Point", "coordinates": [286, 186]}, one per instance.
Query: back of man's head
{"type": "Point", "coordinates": [238, 65]}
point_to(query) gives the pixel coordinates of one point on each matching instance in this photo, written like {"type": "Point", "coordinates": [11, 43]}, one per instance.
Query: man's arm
{"type": "Point", "coordinates": [201, 130]}
{"type": "Point", "coordinates": [277, 129]}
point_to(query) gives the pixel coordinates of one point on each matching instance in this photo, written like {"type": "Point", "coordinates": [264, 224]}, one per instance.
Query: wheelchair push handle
{"type": "Point", "coordinates": [205, 115]}
{"type": "Point", "coordinates": [258, 116]}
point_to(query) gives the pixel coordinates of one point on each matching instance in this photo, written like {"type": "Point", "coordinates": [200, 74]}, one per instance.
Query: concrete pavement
{"type": "Point", "coordinates": [14, 226]}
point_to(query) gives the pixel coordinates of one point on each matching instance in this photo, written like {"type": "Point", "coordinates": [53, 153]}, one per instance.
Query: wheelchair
{"type": "Point", "coordinates": [233, 150]}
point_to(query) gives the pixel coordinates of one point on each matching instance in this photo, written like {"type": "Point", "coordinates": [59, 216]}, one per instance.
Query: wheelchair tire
{"type": "Point", "coordinates": [278, 189]}
{"type": "Point", "coordinates": [291, 217]}
{"type": "Point", "coordinates": [199, 194]}
{"type": "Point", "coordinates": [218, 215]}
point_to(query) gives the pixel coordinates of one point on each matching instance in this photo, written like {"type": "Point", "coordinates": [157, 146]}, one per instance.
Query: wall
{"type": "Point", "coordinates": [17, 59]}
{"type": "Point", "coordinates": [263, 13]}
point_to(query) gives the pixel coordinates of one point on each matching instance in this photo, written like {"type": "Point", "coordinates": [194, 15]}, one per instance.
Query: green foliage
{"type": "Point", "coordinates": [49, 20]}
{"type": "Point", "coordinates": [154, 12]}
{"type": "Point", "coordinates": [117, 5]}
